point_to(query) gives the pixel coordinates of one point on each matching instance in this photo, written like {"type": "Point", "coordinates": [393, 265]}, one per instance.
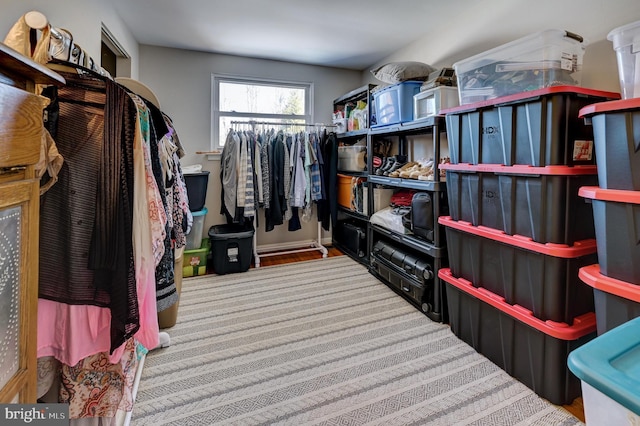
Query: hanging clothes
{"type": "Point", "coordinates": [327, 207]}
{"type": "Point", "coordinates": [281, 172]}
{"type": "Point", "coordinates": [85, 257]}
{"type": "Point", "coordinates": [229, 161]}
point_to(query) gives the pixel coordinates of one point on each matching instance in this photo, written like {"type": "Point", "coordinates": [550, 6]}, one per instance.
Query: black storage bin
{"type": "Point", "coordinates": [617, 219]}
{"type": "Point", "coordinates": [196, 184]}
{"type": "Point", "coordinates": [536, 128]}
{"type": "Point", "coordinates": [616, 132]}
{"type": "Point", "coordinates": [616, 301]}
{"type": "Point", "coordinates": [533, 351]}
{"type": "Point", "coordinates": [231, 248]}
{"type": "Point", "coordinates": [530, 202]}
{"type": "Point", "coordinates": [539, 277]}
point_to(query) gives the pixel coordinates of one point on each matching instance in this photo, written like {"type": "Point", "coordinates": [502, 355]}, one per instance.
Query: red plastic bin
{"type": "Point", "coordinates": [537, 202]}
{"type": "Point", "coordinates": [542, 278]}
{"type": "Point", "coordinates": [537, 128]}
{"type": "Point", "coordinates": [531, 350]}
{"type": "Point", "coordinates": [616, 215]}
{"type": "Point", "coordinates": [616, 301]}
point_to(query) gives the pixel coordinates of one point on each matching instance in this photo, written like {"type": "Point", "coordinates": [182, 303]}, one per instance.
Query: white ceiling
{"type": "Point", "coordinates": [356, 34]}
{"type": "Point", "coordinates": [341, 33]}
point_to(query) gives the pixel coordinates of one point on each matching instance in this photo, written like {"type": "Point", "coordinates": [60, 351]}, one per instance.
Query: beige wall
{"type": "Point", "coordinates": [484, 24]}
{"type": "Point", "coordinates": [182, 81]}
{"type": "Point", "coordinates": [83, 18]}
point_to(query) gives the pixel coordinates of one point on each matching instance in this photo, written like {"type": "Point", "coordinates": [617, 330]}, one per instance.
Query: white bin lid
{"type": "Point", "coordinates": [625, 35]}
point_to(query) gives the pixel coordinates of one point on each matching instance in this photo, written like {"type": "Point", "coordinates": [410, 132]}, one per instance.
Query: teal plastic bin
{"type": "Point", "coordinates": [609, 369]}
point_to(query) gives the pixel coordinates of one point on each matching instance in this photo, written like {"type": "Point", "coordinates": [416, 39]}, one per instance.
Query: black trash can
{"type": "Point", "coordinates": [231, 248]}
{"type": "Point", "coordinates": [196, 184]}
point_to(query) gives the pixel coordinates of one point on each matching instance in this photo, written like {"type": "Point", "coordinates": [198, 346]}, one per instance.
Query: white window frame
{"type": "Point", "coordinates": [216, 79]}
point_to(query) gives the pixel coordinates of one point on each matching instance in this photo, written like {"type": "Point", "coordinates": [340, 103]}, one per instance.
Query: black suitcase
{"type": "Point", "coordinates": [402, 260]}
{"type": "Point", "coordinates": [407, 286]}
{"type": "Point", "coordinates": [354, 238]}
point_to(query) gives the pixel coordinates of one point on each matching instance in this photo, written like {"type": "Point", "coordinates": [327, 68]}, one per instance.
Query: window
{"type": "Point", "coordinates": [244, 100]}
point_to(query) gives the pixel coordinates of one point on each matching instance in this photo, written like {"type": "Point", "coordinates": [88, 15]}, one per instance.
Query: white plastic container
{"type": "Point", "coordinates": [544, 59]}
{"type": "Point", "coordinates": [626, 42]}
{"type": "Point", "coordinates": [429, 102]}
{"type": "Point", "coordinates": [609, 369]}
{"type": "Point", "coordinates": [381, 199]}
{"type": "Point", "coordinates": [352, 158]}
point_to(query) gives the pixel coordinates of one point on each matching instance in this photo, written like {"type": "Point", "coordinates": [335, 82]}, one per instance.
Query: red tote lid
{"type": "Point", "coordinates": [592, 276]}
{"type": "Point", "coordinates": [609, 106]}
{"type": "Point", "coordinates": [601, 194]}
{"type": "Point", "coordinates": [582, 325]}
{"type": "Point", "coordinates": [522, 96]}
{"type": "Point", "coordinates": [522, 169]}
{"type": "Point", "coordinates": [579, 248]}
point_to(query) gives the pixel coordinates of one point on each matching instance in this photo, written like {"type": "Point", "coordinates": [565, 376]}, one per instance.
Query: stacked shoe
{"type": "Point", "coordinates": [391, 164]}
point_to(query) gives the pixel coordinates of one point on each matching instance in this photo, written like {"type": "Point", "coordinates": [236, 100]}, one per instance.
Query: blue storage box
{"type": "Point", "coordinates": [609, 369]}
{"type": "Point", "coordinates": [394, 104]}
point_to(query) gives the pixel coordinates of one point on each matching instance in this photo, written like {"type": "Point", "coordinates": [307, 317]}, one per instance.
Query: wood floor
{"type": "Point", "coordinates": [576, 408]}
{"type": "Point", "coordinates": [297, 257]}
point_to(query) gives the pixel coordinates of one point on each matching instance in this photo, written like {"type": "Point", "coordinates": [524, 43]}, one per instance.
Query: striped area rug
{"type": "Point", "coordinates": [321, 343]}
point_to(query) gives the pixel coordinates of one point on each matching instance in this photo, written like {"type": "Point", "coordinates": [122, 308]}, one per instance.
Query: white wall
{"type": "Point", "coordinates": [83, 18]}
{"type": "Point", "coordinates": [484, 24]}
{"type": "Point", "coordinates": [182, 81]}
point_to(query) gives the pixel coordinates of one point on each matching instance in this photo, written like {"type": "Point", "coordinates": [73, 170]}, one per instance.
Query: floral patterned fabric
{"type": "Point", "coordinates": [96, 388]}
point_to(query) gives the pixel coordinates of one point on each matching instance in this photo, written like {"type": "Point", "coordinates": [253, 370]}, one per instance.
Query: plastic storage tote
{"type": "Point", "coordinates": [231, 248]}
{"type": "Point", "coordinates": [616, 301]}
{"type": "Point", "coordinates": [194, 262]}
{"type": "Point", "coordinates": [541, 203]}
{"type": "Point", "coordinates": [196, 184]}
{"type": "Point", "coordinates": [617, 223]}
{"type": "Point", "coordinates": [350, 192]}
{"type": "Point", "coordinates": [626, 42]}
{"type": "Point", "coordinates": [352, 158]}
{"type": "Point", "coordinates": [194, 237]}
{"type": "Point", "coordinates": [609, 370]}
{"type": "Point", "coordinates": [542, 278]}
{"type": "Point", "coordinates": [616, 134]}
{"type": "Point", "coordinates": [394, 104]}
{"type": "Point", "coordinates": [538, 128]}
{"type": "Point", "coordinates": [428, 103]}
{"type": "Point", "coordinates": [531, 350]}
{"type": "Point", "coordinates": [544, 59]}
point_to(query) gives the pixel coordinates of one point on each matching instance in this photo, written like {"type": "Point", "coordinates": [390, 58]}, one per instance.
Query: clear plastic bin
{"type": "Point", "coordinates": [626, 43]}
{"type": "Point", "coordinates": [544, 59]}
{"type": "Point", "coordinates": [194, 237]}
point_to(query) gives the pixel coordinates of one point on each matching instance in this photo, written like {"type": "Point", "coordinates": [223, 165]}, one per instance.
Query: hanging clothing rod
{"type": "Point", "coordinates": [283, 124]}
